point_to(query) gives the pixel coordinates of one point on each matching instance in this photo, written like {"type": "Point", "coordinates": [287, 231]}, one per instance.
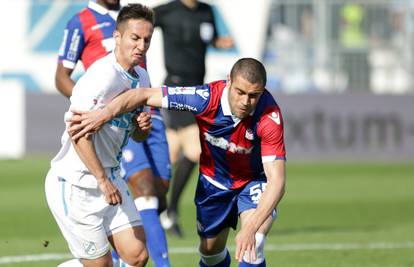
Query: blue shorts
{"type": "Point", "coordinates": [218, 209]}
{"type": "Point", "coordinates": [152, 153]}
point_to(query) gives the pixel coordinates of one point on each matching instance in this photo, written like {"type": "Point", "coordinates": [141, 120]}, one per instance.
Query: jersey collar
{"type": "Point", "coordinates": [225, 105]}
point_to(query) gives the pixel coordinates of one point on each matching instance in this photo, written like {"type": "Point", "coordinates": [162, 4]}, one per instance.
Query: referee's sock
{"type": "Point", "coordinates": [156, 240]}
{"type": "Point", "coordinates": [179, 181]}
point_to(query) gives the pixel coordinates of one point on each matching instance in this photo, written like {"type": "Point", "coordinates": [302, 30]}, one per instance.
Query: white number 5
{"type": "Point", "coordinates": [256, 192]}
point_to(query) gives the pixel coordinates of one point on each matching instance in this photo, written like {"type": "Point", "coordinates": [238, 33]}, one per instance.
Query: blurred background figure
{"type": "Point", "coordinates": [188, 28]}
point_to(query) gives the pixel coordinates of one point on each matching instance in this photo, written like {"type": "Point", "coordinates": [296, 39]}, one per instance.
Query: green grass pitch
{"type": "Point", "coordinates": [333, 215]}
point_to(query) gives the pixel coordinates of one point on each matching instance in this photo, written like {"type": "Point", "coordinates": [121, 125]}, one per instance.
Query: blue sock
{"type": "Point", "coordinates": [155, 235]}
{"type": "Point", "coordinates": [223, 263]}
{"type": "Point", "coordinates": [115, 257]}
{"type": "Point", "coordinates": [245, 264]}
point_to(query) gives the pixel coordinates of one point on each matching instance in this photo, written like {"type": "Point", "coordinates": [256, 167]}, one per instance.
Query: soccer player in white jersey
{"type": "Point", "coordinates": [84, 189]}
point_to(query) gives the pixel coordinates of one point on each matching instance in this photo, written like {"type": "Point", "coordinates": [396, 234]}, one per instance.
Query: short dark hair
{"type": "Point", "coordinates": [134, 11]}
{"type": "Point", "coordinates": [250, 69]}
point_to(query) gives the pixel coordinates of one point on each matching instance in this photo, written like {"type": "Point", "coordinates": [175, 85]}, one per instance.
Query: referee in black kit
{"type": "Point", "coordinates": [188, 28]}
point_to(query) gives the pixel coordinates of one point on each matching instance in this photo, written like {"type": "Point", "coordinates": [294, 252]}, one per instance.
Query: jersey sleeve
{"type": "Point", "coordinates": [194, 99]}
{"type": "Point", "coordinates": [73, 43]}
{"type": "Point", "coordinates": [94, 89]}
{"type": "Point", "coordinates": [270, 131]}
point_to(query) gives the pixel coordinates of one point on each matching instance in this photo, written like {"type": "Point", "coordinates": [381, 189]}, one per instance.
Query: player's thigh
{"type": "Point", "coordinates": [122, 216]}
{"type": "Point", "coordinates": [174, 145]}
{"type": "Point", "coordinates": [134, 158]}
{"type": "Point", "coordinates": [130, 243]}
{"type": "Point", "coordinates": [248, 200]}
{"type": "Point", "coordinates": [216, 209]}
{"type": "Point", "coordinates": [190, 142]}
{"type": "Point", "coordinates": [79, 213]}
{"type": "Point", "coordinates": [157, 151]}
{"type": "Point", "coordinates": [142, 183]}
{"type": "Point", "coordinates": [136, 168]}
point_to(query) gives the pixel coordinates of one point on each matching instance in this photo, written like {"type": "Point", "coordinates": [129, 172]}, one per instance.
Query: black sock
{"type": "Point", "coordinates": [180, 179]}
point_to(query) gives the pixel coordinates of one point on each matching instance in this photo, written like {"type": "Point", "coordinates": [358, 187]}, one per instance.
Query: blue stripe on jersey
{"type": "Point", "coordinates": [65, 206]}
{"type": "Point", "coordinates": [73, 42]}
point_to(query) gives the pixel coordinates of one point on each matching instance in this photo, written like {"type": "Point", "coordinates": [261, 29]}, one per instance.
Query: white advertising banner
{"type": "Point", "coordinates": [12, 117]}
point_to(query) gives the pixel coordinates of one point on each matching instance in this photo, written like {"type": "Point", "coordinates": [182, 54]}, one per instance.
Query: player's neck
{"type": "Point", "coordinates": [189, 3]}
{"type": "Point", "coordinates": [109, 6]}
{"type": "Point", "coordinates": [122, 61]}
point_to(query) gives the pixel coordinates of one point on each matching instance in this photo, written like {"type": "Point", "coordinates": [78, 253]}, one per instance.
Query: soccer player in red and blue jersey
{"type": "Point", "coordinates": [242, 164]}
{"type": "Point", "coordinates": [146, 165]}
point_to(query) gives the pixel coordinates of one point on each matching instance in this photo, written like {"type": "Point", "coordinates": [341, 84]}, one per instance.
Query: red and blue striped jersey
{"type": "Point", "coordinates": [88, 36]}
{"type": "Point", "coordinates": [233, 150]}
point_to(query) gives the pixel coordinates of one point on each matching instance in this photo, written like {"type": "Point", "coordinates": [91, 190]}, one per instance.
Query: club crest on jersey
{"type": "Point", "coordinates": [203, 93]}
{"type": "Point", "coordinates": [275, 117]}
{"type": "Point", "coordinates": [249, 134]}
{"type": "Point", "coordinates": [89, 248]}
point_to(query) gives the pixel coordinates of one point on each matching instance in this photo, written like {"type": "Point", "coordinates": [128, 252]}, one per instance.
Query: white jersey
{"type": "Point", "coordinates": [102, 82]}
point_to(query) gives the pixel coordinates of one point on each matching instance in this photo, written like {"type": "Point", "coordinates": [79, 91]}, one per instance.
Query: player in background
{"type": "Point", "coordinates": [242, 164]}
{"type": "Point", "coordinates": [84, 189]}
{"type": "Point", "coordinates": [145, 165]}
{"type": "Point", "coordinates": [188, 28]}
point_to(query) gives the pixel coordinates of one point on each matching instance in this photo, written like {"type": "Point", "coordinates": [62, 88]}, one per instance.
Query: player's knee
{"type": "Point", "coordinates": [136, 257]}
{"type": "Point", "coordinates": [211, 260]}
{"type": "Point", "coordinates": [142, 183]}
{"type": "Point", "coordinates": [260, 242]}
{"type": "Point", "coordinates": [104, 261]}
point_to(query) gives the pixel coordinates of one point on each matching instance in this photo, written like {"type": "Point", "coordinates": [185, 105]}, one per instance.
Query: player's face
{"type": "Point", "coordinates": [134, 41]}
{"type": "Point", "coordinates": [243, 96]}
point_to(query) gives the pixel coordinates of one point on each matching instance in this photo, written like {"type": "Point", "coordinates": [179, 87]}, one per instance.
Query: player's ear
{"type": "Point", "coordinates": [117, 37]}
{"type": "Point", "coordinates": [228, 80]}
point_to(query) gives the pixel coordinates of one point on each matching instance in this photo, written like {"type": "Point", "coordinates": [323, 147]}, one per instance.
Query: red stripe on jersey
{"type": "Point", "coordinates": [94, 49]}
{"type": "Point", "coordinates": [240, 165]}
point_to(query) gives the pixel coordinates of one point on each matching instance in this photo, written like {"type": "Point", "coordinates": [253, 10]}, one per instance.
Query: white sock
{"type": "Point", "coordinates": [71, 263]}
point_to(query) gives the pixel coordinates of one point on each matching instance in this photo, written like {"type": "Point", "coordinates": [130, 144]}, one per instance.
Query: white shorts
{"type": "Point", "coordinates": [85, 218]}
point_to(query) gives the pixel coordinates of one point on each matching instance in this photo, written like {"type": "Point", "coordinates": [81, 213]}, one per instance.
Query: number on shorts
{"type": "Point", "coordinates": [256, 192]}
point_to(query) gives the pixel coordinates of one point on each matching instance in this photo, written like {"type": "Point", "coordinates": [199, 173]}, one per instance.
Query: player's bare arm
{"type": "Point", "coordinates": [86, 151]}
{"type": "Point", "coordinates": [245, 238]}
{"type": "Point", "coordinates": [144, 126]}
{"type": "Point", "coordinates": [87, 122]}
{"type": "Point", "coordinates": [63, 82]}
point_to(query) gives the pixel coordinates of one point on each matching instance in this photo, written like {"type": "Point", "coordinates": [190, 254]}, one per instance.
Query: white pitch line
{"type": "Point", "coordinates": [268, 247]}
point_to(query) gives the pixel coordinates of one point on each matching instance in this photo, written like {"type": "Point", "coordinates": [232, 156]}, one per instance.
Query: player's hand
{"type": "Point", "coordinates": [144, 122]}
{"type": "Point", "coordinates": [245, 245]}
{"type": "Point", "coordinates": [85, 123]}
{"type": "Point", "coordinates": [111, 193]}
